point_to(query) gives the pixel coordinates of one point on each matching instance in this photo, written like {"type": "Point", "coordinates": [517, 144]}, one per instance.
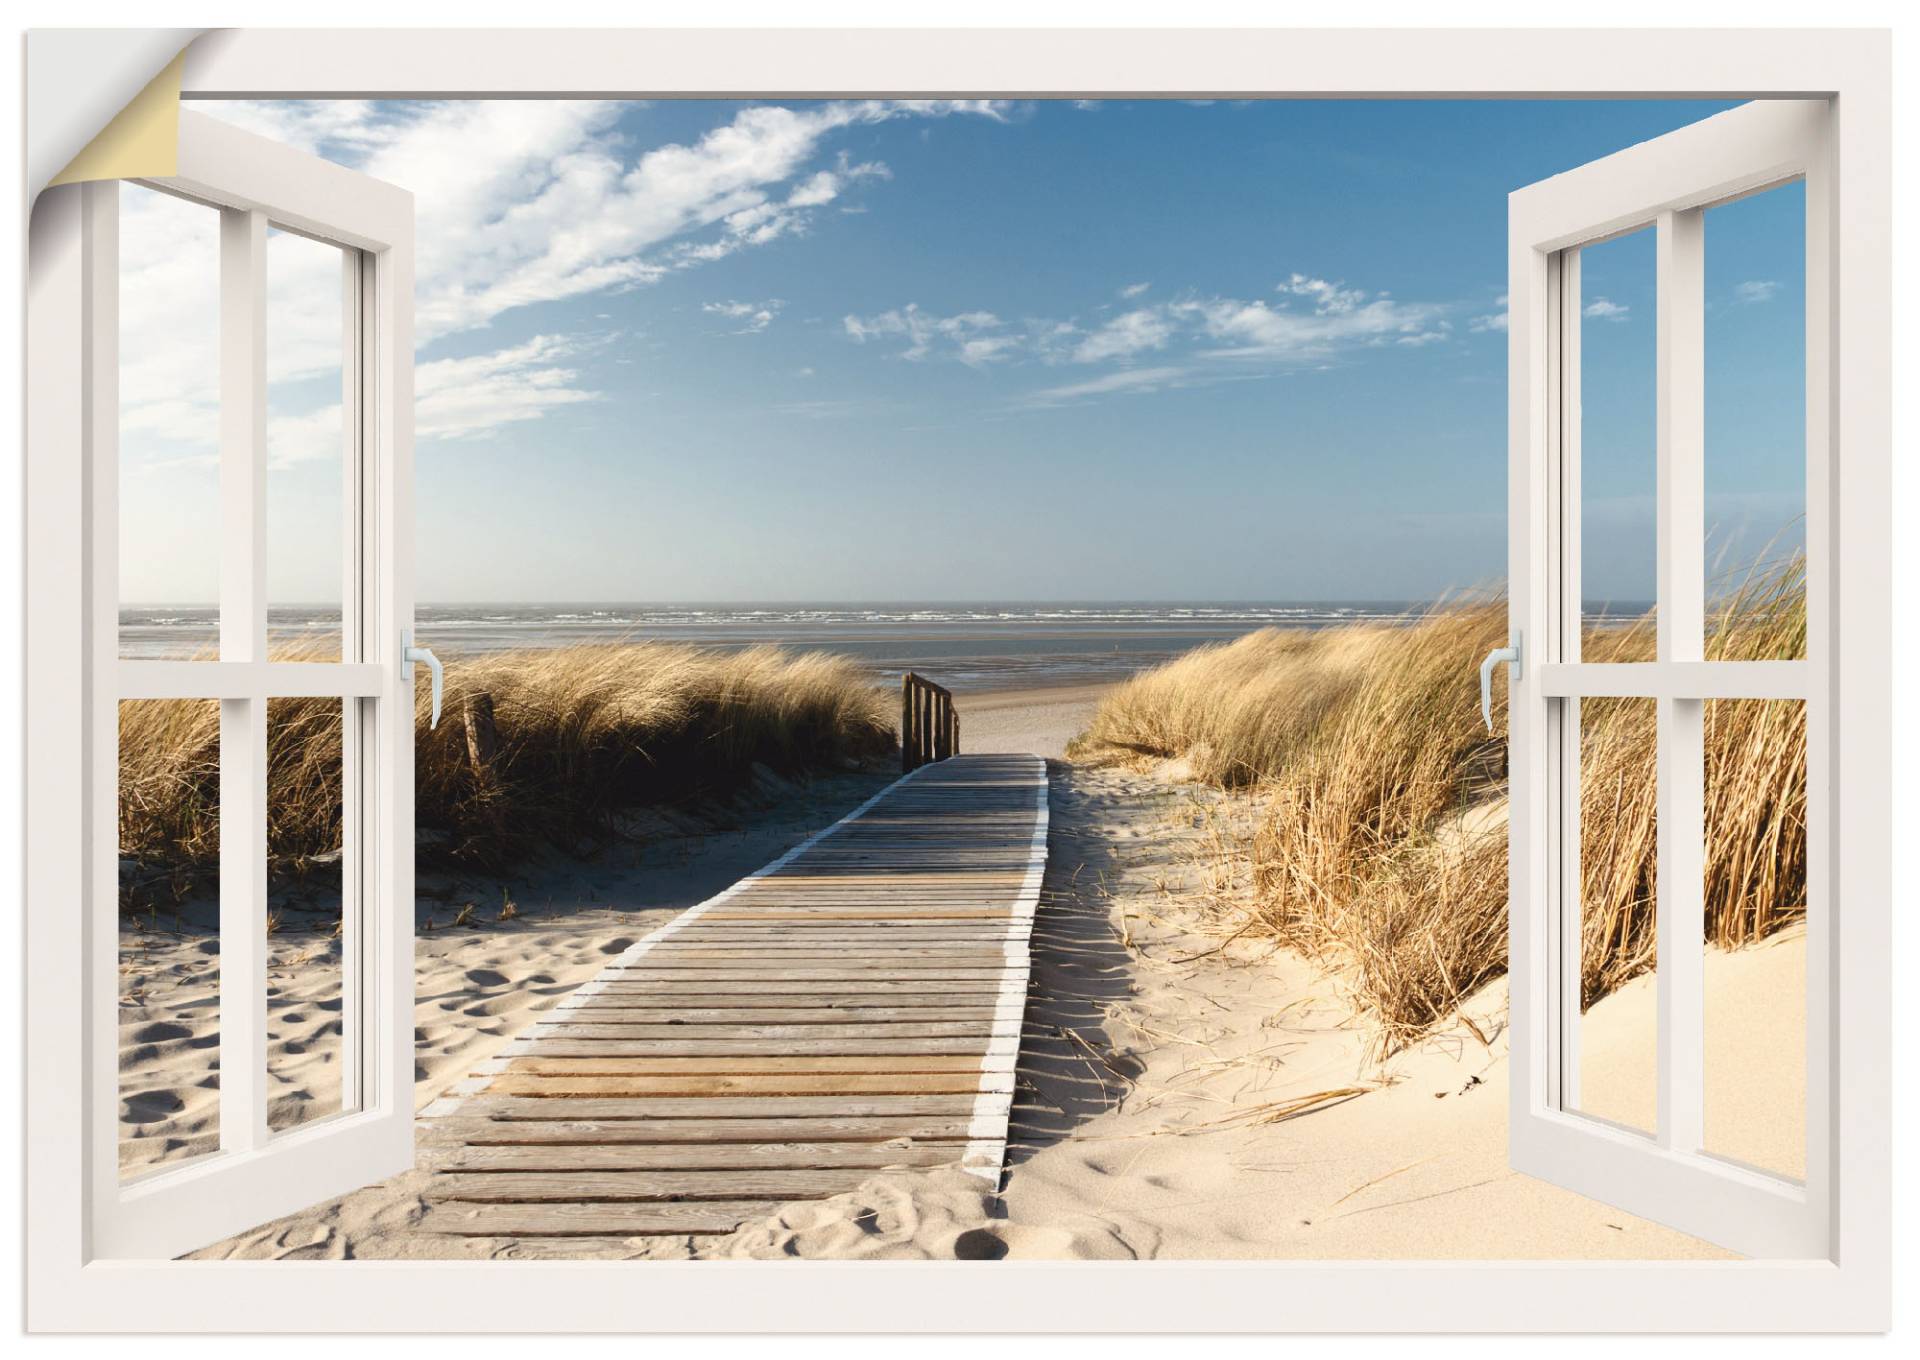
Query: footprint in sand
{"type": "Point", "coordinates": [492, 1005]}
{"type": "Point", "coordinates": [151, 1107]}
{"type": "Point", "coordinates": [978, 1244]}
{"type": "Point", "coordinates": [486, 977]}
{"type": "Point", "coordinates": [618, 946]}
{"type": "Point", "coordinates": [159, 1031]}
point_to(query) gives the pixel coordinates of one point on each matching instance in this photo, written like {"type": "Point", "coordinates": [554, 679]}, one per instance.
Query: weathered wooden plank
{"type": "Point", "coordinates": [814, 970]}
{"type": "Point", "coordinates": [790, 1155]}
{"type": "Point", "coordinates": [592, 1220]}
{"type": "Point", "coordinates": [871, 987]}
{"type": "Point", "coordinates": [704, 1134]}
{"type": "Point", "coordinates": [818, 965]}
{"type": "Point", "coordinates": [838, 1030]}
{"type": "Point", "coordinates": [568, 1065]}
{"type": "Point", "coordinates": [498, 1106]}
{"type": "Point", "coordinates": [709, 1048]}
{"type": "Point", "coordinates": [850, 911]}
{"type": "Point", "coordinates": [837, 1084]}
{"type": "Point", "coordinates": [797, 955]}
{"type": "Point", "coordinates": [831, 935]}
{"type": "Point", "coordinates": [798, 1012]}
{"type": "Point", "coordinates": [581, 1187]}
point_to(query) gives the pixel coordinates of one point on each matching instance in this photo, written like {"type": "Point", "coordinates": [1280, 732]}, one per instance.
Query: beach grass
{"type": "Point", "coordinates": [581, 735]}
{"type": "Point", "coordinates": [1380, 842]}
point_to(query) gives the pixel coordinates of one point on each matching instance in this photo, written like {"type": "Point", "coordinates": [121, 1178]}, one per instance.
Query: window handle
{"type": "Point", "coordinates": [1494, 658]}
{"type": "Point", "coordinates": [410, 654]}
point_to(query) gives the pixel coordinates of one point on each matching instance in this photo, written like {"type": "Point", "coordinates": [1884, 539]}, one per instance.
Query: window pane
{"type": "Point", "coordinates": [1756, 447]}
{"type": "Point", "coordinates": [307, 933]}
{"type": "Point", "coordinates": [1756, 962]}
{"type": "Point", "coordinates": [169, 986]}
{"type": "Point", "coordinates": [1617, 1078]}
{"type": "Point", "coordinates": [306, 459]}
{"type": "Point", "coordinates": [1618, 471]}
{"type": "Point", "coordinates": [169, 370]}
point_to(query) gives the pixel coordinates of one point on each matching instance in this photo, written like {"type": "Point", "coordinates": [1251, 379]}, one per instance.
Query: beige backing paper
{"type": "Point", "coordinates": [141, 141]}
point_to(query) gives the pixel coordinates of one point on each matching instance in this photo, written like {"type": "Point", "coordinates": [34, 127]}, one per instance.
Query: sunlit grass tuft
{"type": "Point", "coordinates": [1380, 844]}
{"type": "Point", "coordinates": [584, 734]}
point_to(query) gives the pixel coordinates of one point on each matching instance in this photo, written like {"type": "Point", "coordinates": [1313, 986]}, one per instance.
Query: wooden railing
{"type": "Point", "coordinates": [929, 724]}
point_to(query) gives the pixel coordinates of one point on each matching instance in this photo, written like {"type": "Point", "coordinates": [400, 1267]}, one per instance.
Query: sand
{"type": "Point", "coordinates": [1179, 1096]}
{"type": "Point", "coordinates": [1040, 721]}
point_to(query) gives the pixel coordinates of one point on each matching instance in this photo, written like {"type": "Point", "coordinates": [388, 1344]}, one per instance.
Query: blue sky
{"type": "Point", "coordinates": [706, 350]}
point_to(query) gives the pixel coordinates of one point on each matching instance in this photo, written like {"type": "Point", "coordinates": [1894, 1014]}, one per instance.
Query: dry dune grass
{"type": "Point", "coordinates": [583, 733]}
{"type": "Point", "coordinates": [1381, 841]}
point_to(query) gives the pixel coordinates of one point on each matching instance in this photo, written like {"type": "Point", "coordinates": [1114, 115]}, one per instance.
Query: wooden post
{"type": "Point", "coordinates": [483, 736]}
{"type": "Point", "coordinates": [929, 723]}
{"type": "Point", "coordinates": [906, 723]}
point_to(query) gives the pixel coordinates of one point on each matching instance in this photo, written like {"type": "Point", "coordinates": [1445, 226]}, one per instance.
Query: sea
{"type": "Point", "coordinates": [974, 646]}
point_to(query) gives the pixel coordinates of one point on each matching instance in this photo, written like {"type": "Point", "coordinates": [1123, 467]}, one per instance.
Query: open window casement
{"type": "Point", "coordinates": [1661, 1165]}
{"type": "Point", "coordinates": [255, 188]}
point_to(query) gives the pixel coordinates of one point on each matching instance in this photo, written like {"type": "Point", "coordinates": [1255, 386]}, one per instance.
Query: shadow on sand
{"type": "Point", "coordinates": [1071, 1069]}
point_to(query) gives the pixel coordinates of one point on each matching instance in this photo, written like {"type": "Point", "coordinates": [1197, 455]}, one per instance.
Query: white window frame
{"type": "Point", "coordinates": [250, 183]}
{"type": "Point", "coordinates": [1848, 1289]}
{"type": "Point", "coordinates": [1666, 185]}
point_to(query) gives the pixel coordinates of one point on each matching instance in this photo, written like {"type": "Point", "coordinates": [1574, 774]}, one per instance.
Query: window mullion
{"type": "Point", "coordinates": [100, 375]}
{"type": "Point", "coordinates": [1564, 729]}
{"type": "Point", "coordinates": [243, 722]}
{"type": "Point", "coordinates": [353, 720]}
{"type": "Point", "coordinates": [1680, 629]}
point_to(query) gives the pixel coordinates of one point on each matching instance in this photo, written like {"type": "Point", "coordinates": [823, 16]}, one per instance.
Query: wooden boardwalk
{"type": "Point", "coordinates": [854, 1006]}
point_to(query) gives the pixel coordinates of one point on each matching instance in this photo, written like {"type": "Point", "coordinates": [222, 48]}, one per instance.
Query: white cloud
{"type": "Point", "coordinates": [1491, 321]}
{"type": "Point", "coordinates": [1246, 334]}
{"type": "Point", "coordinates": [1342, 318]}
{"type": "Point", "coordinates": [1124, 380]}
{"type": "Point", "coordinates": [1756, 290]}
{"type": "Point", "coordinates": [469, 397]}
{"type": "Point", "coordinates": [1328, 298]}
{"type": "Point", "coordinates": [1134, 290]}
{"type": "Point", "coordinates": [315, 436]}
{"type": "Point", "coordinates": [1126, 335]}
{"type": "Point", "coordinates": [1602, 309]}
{"type": "Point", "coordinates": [518, 203]}
{"type": "Point", "coordinates": [538, 200]}
{"type": "Point", "coordinates": [972, 337]}
{"type": "Point", "coordinates": [753, 317]}
{"type": "Point", "coordinates": [829, 409]}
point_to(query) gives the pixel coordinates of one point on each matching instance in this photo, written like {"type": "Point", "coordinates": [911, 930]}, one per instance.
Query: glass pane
{"type": "Point", "coordinates": [169, 987]}
{"type": "Point", "coordinates": [1756, 446]}
{"type": "Point", "coordinates": [169, 494]}
{"type": "Point", "coordinates": [1617, 432]}
{"type": "Point", "coordinates": [306, 457]}
{"type": "Point", "coordinates": [307, 932]}
{"type": "Point", "coordinates": [1618, 1035]}
{"type": "Point", "coordinates": [1755, 985]}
